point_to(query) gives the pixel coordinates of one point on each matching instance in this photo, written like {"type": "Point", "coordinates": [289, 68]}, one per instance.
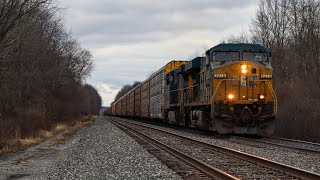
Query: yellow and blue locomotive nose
{"type": "Point", "coordinates": [242, 81]}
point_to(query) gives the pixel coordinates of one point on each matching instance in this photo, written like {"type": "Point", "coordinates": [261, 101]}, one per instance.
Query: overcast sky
{"type": "Point", "coordinates": [130, 39]}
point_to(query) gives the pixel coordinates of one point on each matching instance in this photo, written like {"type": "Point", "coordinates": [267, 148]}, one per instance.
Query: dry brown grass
{"type": "Point", "coordinates": [77, 126]}
{"type": "Point", "coordinates": [60, 134]}
{"type": "Point", "coordinates": [60, 139]}
{"type": "Point", "coordinates": [15, 145]}
{"type": "Point", "coordinates": [45, 134]}
{"type": "Point", "coordinates": [60, 127]}
{"type": "Point", "coordinates": [29, 141]}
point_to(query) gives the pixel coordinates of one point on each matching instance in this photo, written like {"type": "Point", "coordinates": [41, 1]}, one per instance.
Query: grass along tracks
{"type": "Point", "coordinates": [236, 163]}
{"type": "Point", "coordinates": [57, 135]}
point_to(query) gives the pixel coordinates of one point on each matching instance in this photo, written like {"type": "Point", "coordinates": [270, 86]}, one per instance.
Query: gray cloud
{"type": "Point", "coordinates": [133, 18]}
{"type": "Point", "coordinates": [130, 39]}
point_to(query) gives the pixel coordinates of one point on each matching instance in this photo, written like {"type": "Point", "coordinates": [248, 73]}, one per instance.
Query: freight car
{"type": "Point", "coordinates": [229, 90]}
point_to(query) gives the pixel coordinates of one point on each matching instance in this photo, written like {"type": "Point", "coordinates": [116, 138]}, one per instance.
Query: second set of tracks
{"type": "Point", "coordinates": [193, 159]}
{"type": "Point", "coordinates": [301, 146]}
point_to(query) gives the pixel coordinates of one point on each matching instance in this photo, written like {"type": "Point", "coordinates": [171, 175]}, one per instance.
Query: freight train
{"type": "Point", "coordinates": [229, 90]}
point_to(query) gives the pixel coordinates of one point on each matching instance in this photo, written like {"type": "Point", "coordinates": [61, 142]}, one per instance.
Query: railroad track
{"type": "Point", "coordinates": [236, 164]}
{"type": "Point", "coordinates": [296, 144]}
{"type": "Point", "coordinates": [186, 166]}
{"type": "Point", "coordinates": [303, 146]}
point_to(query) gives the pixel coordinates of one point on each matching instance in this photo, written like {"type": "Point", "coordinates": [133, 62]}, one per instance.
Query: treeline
{"type": "Point", "coordinates": [124, 90]}
{"type": "Point", "coordinates": [291, 29]}
{"type": "Point", "coordinates": [42, 70]}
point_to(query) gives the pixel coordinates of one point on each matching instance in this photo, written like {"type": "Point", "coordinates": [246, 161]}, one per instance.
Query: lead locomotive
{"type": "Point", "coordinates": [229, 91]}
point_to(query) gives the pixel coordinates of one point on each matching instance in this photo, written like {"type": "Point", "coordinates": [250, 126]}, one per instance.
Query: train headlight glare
{"type": "Point", "coordinates": [261, 96]}
{"type": "Point", "coordinates": [230, 96]}
{"type": "Point", "coordinates": [244, 71]}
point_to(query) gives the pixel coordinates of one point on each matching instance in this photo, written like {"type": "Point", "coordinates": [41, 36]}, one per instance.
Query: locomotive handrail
{"type": "Point", "coordinates": [215, 92]}
{"type": "Point", "coordinates": [275, 110]}
{"type": "Point", "coordinates": [274, 96]}
{"type": "Point", "coordinates": [189, 87]}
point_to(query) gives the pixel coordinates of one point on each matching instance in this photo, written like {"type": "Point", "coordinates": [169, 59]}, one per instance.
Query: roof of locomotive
{"type": "Point", "coordinates": [239, 47]}
{"type": "Point", "coordinates": [161, 69]}
{"type": "Point", "coordinates": [194, 63]}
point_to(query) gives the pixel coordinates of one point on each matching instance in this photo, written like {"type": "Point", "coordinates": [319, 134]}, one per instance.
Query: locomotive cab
{"type": "Point", "coordinates": [243, 100]}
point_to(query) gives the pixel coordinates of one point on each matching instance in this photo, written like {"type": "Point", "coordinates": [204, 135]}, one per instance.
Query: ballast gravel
{"type": "Point", "coordinates": [100, 152]}
{"type": "Point", "coordinates": [291, 157]}
{"type": "Point", "coordinates": [105, 152]}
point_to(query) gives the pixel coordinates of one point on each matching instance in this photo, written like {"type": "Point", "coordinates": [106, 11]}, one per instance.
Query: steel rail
{"type": "Point", "coordinates": [310, 150]}
{"type": "Point", "coordinates": [294, 140]}
{"type": "Point", "coordinates": [296, 172]}
{"type": "Point", "coordinates": [211, 171]}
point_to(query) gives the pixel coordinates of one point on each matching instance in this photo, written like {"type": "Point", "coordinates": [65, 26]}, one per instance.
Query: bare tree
{"type": "Point", "coordinates": [42, 70]}
{"type": "Point", "coordinates": [14, 12]}
{"type": "Point", "coordinates": [291, 29]}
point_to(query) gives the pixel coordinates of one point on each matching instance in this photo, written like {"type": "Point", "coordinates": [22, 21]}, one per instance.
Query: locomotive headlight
{"type": "Point", "coordinates": [261, 96]}
{"type": "Point", "coordinates": [244, 69]}
{"type": "Point", "coordinates": [230, 96]}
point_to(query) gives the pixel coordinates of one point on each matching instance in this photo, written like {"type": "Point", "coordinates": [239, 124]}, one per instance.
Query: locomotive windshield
{"type": "Point", "coordinates": [255, 56]}
{"type": "Point", "coordinates": [223, 56]}
{"type": "Point", "coordinates": [226, 56]}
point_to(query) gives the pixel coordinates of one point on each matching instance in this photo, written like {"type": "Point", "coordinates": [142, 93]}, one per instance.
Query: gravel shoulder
{"type": "Point", "coordinates": [102, 151]}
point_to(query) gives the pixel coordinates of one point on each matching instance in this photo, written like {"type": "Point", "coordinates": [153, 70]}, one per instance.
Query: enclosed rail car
{"type": "Point", "coordinates": [137, 101]}
{"type": "Point", "coordinates": [146, 100]}
{"type": "Point", "coordinates": [229, 91]}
